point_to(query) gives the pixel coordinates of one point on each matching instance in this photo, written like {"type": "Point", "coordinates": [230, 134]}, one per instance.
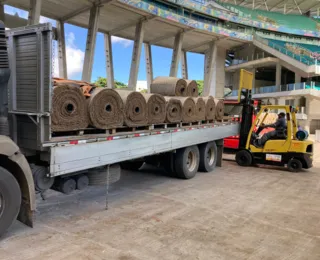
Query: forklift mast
{"type": "Point", "coordinates": [245, 98]}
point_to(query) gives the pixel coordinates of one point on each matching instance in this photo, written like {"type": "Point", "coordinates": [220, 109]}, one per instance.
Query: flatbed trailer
{"type": "Point", "coordinates": [34, 160]}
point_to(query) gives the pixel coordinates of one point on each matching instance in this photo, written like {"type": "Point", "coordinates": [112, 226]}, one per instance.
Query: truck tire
{"type": "Point", "coordinates": [82, 182]}
{"type": "Point", "coordinates": [168, 162]}
{"type": "Point", "coordinates": [294, 165]}
{"type": "Point", "coordinates": [187, 162]}
{"type": "Point", "coordinates": [10, 199]}
{"type": "Point", "coordinates": [208, 156]}
{"type": "Point", "coordinates": [131, 165]}
{"type": "Point", "coordinates": [244, 158]}
{"type": "Point", "coordinates": [65, 185]}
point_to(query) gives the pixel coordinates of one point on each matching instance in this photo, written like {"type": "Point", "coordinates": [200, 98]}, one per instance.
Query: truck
{"type": "Point", "coordinates": [33, 160]}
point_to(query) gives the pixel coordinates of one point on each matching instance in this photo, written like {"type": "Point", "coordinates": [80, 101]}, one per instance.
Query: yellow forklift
{"type": "Point", "coordinates": [289, 148]}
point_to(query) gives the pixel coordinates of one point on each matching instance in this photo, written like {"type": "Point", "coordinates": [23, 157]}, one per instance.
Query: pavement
{"type": "Point", "coordinates": [230, 213]}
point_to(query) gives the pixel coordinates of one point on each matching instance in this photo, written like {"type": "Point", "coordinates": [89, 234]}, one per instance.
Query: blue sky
{"type": "Point", "coordinates": [122, 52]}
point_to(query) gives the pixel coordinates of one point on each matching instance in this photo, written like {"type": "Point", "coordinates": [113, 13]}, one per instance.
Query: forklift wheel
{"type": "Point", "coordinates": [294, 165]}
{"type": "Point", "coordinates": [244, 158]}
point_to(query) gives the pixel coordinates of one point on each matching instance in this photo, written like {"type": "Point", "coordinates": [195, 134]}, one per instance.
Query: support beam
{"type": "Point", "coordinates": [278, 74]}
{"type": "Point", "coordinates": [62, 50]}
{"type": "Point", "coordinates": [131, 24]}
{"type": "Point", "coordinates": [214, 78]}
{"type": "Point", "coordinates": [184, 65]}
{"type": "Point", "coordinates": [91, 43]}
{"type": "Point", "coordinates": [109, 60]}
{"type": "Point", "coordinates": [149, 68]}
{"type": "Point", "coordinates": [136, 54]}
{"type": "Point", "coordinates": [209, 73]}
{"type": "Point", "coordinates": [2, 13]}
{"type": "Point", "coordinates": [84, 9]}
{"type": "Point", "coordinates": [297, 78]}
{"type": "Point", "coordinates": [34, 12]}
{"type": "Point", "coordinates": [195, 46]}
{"type": "Point", "coordinates": [176, 54]}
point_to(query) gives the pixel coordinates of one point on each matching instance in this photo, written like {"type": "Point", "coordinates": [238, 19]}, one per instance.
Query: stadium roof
{"type": "Point", "coordinates": [281, 6]}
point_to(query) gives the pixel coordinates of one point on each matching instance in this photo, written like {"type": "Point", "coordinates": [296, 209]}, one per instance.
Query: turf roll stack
{"type": "Point", "coordinates": [169, 86]}
{"type": "Point", "coordinates": [135, 108]}
{"type": "Point", "coordinates": [219, 109]}
{"type": "Point", "coordinates": [105, 108]}
{"type": "Point", "coordinates": [173, 110]}
{"type": "Point", "coordinates": [69, 109]}
{"type": "Point", "coordinates": [192, 88]}
{"type": "Point", "coordinates": [210, 108]}
{"type": "Point", "coordinates": [188, 109]}
{"type": "Point", "coordinates": [200, 109]}
{"type": "Point", "coordinates": [156, 106]}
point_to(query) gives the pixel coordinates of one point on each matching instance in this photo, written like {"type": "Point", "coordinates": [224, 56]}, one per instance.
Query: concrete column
{"type": "Point", "coordinates": [62, 50]}
{"type": "Point", "coordinates": [210, 57]}
{"type": "Point", "coordinates": [109, 60]}
{"type": "Point", "coordinates": [176, 54]}
{"type": "Point", "coordinates": [149, 68]}
{"type": "Point", "coordinates": [184, 65]}
{"type": "Point", "coordinates": [214, 78]}
{"type": "Point", "coordinates": [278, 74]}
{"type": "Point", "coordinates": [34, 12]}
{"type": "Point", "coordinates": [91, 43]}
{"type": "Point", "coordinates": [136, 54]}
{"type": "Point", "coordinates": [297, 78]}
{"type": "Point", "coordinates": [2, 13]}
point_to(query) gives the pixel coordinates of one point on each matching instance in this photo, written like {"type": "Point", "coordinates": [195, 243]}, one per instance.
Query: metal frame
{"type": "Point", "coordinates": [67, 158]}
{"type": "Point", "coordinates": [176, 54]}
{"type": "Point", "coordinates": [43, 34]}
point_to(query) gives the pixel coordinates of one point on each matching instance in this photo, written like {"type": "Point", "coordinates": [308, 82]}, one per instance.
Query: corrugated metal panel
{"type": "Point", "coordinates": [30, 59]}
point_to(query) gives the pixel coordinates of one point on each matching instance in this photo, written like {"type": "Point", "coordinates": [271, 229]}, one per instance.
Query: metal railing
{"type": "Point", "coordinates": [283, 88]}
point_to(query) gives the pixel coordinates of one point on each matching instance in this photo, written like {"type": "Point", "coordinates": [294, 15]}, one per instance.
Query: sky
{"type": "Point", "coordinates": [122, 53]}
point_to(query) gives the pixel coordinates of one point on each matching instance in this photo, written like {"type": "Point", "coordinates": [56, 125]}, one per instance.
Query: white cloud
{"type": "Point", "coordinates": [141, 85]}
{"type": "Point", "coordinates": [75, 57]}
{"type": "Point", "coordinates": [124, 42]}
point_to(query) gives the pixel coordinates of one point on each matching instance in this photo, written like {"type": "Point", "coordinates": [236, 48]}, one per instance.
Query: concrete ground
{"type": "Point", "coordinates": [231, 213]}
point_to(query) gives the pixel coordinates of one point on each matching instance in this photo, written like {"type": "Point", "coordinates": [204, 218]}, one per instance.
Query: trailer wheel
{"type": "Point", "coordinates": [294, 165]}
{"type": "Point", "coordinates": [244, 158]}
{"type": "Point", "coordinates": [41, 181]}
{"type": "Point", "coordinates": [10, 199]}
{"type": "Point", "coordinates": [187, 162]}
{"type": "Point", "coordinates": [131, 165]}
{"type": "Point", "coordinates": [65, 185]}
{"type": "Point", "coordinates": [82, 181]}
{"type": "Point", "coordinates": [208, 156]}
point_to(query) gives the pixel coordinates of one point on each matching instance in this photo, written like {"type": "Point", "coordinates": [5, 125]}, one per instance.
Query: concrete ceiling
{"type": "Point", "coordinates": [119, 20]}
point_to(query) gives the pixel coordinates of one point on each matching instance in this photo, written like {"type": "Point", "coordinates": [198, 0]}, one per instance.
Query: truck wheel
{"type": "Point", "coordinates": [208, 156]}
{"type": "Point", "coordinates": [187, 162]}
{"type": "Point", "coordinates": [244, 158]}
{"type": "Point", "coordinates": [131, 165]}
{"type": "Point", "coordinates": [10, 199]}
{"type": "Point", "coordinates": [294, 165]}
{"type": "Point", "coordinates": [65, 185]}
{"type": "Point", "coordinates": [168, 163]}
{"type": "Point", "coordinates": [82, 181]}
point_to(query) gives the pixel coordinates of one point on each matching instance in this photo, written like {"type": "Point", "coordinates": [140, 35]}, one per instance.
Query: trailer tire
{"type": "Point", "coordinates": [208, 156]}
{"type": "Point", "coordinates": [244, 158]}
{"type": "Point", "coordinates": [131, 165]}
{"type": "Point", "coordinates": [187, 162]}
{"type": "Point", "coordinates": [82, 181]}
{"type": "Point", "coordinates": [10, 199]}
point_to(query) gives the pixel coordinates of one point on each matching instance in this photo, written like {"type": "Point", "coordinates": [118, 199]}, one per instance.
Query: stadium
{"type": "Point", "coordinates": [278, 40]}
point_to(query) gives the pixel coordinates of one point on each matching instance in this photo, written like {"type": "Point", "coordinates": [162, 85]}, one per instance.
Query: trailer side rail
{"type": "Point", "coordinates": [68, 157]}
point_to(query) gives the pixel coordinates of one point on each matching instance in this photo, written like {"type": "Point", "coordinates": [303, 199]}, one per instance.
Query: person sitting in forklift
{"type": "Point", "coordinates": [280, 127]}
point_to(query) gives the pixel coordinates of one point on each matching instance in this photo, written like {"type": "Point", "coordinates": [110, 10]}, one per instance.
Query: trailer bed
{"type": "Point", "coordinates": [67, 156]}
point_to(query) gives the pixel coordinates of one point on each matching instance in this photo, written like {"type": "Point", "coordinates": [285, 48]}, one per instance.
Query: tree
{"type": "Point", "coordinates": [102, 82]}
{"type": "Point", "coordinates": [200, 86]}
